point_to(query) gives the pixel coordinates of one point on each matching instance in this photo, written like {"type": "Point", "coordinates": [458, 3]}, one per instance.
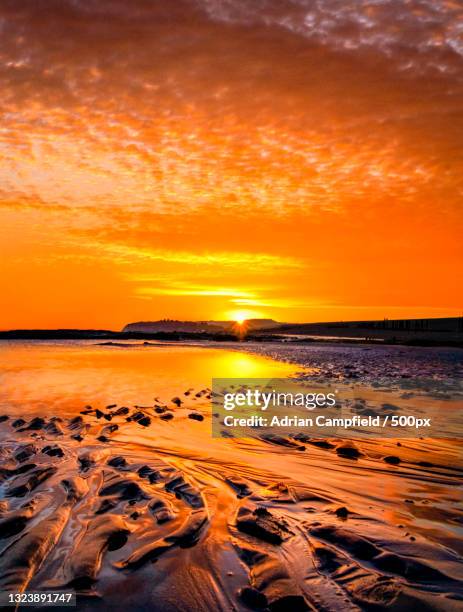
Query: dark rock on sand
{"type": "Point", "coordinates": [141, 418]}
{"type": "Point", "coordinates": [239, 485]}
{"type": "Point", "coordinates": [342, 512]}
{"type": "Point", "coordinates": [35, 424]}
{"type": "Point", "coordinates": [321, 444]}
{"type": "Point", "coordinates": [18, 423]}
{"type": "Point", "coordinates": [261, 524]}
{"type": "Point", "coordinates": [25, 452]}
{"type": "Point", "coordinates": [54, 428]}
{"type": "Point", "coordinates": [253, 598]}
{"type": "Point", "coordinates": [177, 401]}
{"type": "Point", "coordinates": [117, 539]}
{"type": "Point", "coordinates": [117, 462]}
{"type": "Point", "coordinates": [184, 490]}
{"type": "Point", "coordinates": [349, 452]}
{"type": "Point", "coordinates": [392, 459]}
{"type": "Point", "coordinates": [76, 423]}
{"type": "Point", "coordinates": [109, 429]}
{"type": "Point", "coordinates": [195, 416]}
{"type": "Point", "coordinates": [121, 411]}
{"type": "Point", "coordinates": [168, 416]}
{"type": "Point", "coordinates": [123, 489]}
{"type": "Point", "coordinates": [3, 418]}
{"type": "Point", "coordinates": [146, 472]}
{"type": "Point", "coordinates": [53, 451]}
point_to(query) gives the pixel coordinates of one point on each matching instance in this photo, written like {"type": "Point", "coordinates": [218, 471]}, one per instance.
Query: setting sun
{"type": "Point", "coordinates": [241, 316]}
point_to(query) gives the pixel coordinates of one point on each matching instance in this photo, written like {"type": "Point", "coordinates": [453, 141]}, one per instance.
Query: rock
{"type": "Point", "coordinates": [196, 416]}
{"type": "Point", "coordinates": [24, 452]}
{"type": "Point", "coordinates": [321, 444]}
{"type": "Point", "coordinates": [36, 424]}
{"type": "Point", "coordinates": [121, 411]}
{"type": "Point", "coordinates": [349, 452]}
{"type": "Point", "coordinates": [392, 459]}
{"type": "Point", "coordinates": [117, 462]}
{"type": "Point", "coordinates": [99, 414]}
{"type": "Point", "coordinates": [77, 437]}
{"type": "Point", "coordinates": [4, 418]}
{"type": "Point", "coordinates": [146, 472]}
{"type": "Point", "coordinates": [159, 409]}
{"type": "Point", "coordinates": [76, 423]}
{"type": "Point", "coordinates": [103, 439]}
{"type": "Point", "coordinates": [239, 485]}
{"type": "Point", "coordinates": [177, 401]}
{"type": "Point", "coordinates": [184, 490]}
{"type": "Point", "coordinates": [253, 598]}
{"type": "Point", "coordinates": [123, 489]}
{"type": "Point", "coordinates": [167, 417]}
{"type": "Point", "coordinates": [109, 429]}
{"type": "Point", "coordinates": [53, 451]}
{"type": "Point", "coordinates": [18, 423]}
{"type": "Point", "coordinates": [261, 524]}
{"type": "Point", "coordinates": [342, 512]}
{"type": "Point", "coordinates": [53, 428]}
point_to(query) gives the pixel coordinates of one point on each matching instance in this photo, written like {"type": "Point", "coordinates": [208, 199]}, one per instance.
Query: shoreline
{"type": "Point", "coordinates": [121, 501]}
{"type": "Point", "coordinates": [436, 340]}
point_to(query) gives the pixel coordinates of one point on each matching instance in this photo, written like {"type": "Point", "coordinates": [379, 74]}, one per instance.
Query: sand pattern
{"type": "Point", "coordinates": [137, 508]}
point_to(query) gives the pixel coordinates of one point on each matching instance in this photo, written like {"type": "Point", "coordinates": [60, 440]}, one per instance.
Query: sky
{"type": "Point", "coordinates": [213, 159]}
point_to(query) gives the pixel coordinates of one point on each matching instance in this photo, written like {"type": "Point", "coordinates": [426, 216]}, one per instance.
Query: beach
{"type": "Point", "coordinates": [133, 504]}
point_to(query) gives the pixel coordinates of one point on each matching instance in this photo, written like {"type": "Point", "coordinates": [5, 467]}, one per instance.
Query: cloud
{"type": "Point", "coordinates": [130, 254]}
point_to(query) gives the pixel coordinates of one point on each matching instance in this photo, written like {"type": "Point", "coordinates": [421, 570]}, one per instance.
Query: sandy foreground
{"type": "Point", "coordinates": [140, 508]}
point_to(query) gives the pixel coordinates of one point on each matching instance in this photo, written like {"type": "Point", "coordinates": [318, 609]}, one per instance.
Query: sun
{"type": "Point", "coordinates": [241, 316]}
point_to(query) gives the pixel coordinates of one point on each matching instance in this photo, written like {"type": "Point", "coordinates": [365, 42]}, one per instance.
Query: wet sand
{"type": "Point", "coordinates": [138, 507]}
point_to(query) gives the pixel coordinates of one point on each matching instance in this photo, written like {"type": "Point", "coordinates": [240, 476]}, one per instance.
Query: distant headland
{"type": "Point", "coordinates": [441, 331]}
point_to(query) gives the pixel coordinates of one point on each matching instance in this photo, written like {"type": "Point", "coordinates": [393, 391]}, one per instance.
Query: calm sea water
{"type": "Point", "coordinates": [65, 375]}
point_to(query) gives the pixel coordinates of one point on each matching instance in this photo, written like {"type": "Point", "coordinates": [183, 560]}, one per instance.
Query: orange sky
{"type": "Point", "coordinates": [294, 160]}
